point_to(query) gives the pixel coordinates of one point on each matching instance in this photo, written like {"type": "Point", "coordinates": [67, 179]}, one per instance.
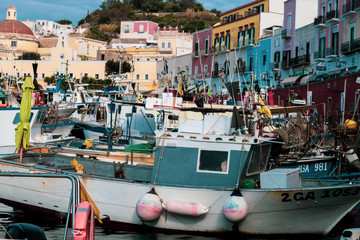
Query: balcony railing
{"type": "Point", "coordinates": [299, 60]}
{"type": "Point", "coordinates": [319, 21]}
{"type": "Point", "coordinates": [319, 54]}
{"type": "Point", "coordinates": [286, 33]}
{"type": "Point", "coordinates": [351, 6]}
{"type": "Point", "coordinates": [285, 64]}
{"type": "Point", "coordinates": [332, 15]}
{"type": "Point", "coordinates": [351, 46]}
{"type": "Point", "coordinates": [243, 43]}
{"type": "Point", "coordinates": [274, 65]}
{"type": "Point", "coordinates": [332, 51]}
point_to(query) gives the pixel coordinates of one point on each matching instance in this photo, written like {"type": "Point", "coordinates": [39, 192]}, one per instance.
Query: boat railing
{"type": "Point", "coordinates": [74, 199]}
{"type": "Point", "coordinates": [132, 155]}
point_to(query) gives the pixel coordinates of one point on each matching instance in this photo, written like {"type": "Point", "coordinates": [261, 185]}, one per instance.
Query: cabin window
{"type": "Point", "coordinates": [213, 161]}
{"type": "Point", "coordinates": [259, 157]}
{"type": "Point", "coordinates": [17, 118]}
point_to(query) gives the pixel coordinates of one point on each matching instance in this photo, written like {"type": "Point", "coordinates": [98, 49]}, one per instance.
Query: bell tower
{"type": "Point", "coordinates": [11, 13]}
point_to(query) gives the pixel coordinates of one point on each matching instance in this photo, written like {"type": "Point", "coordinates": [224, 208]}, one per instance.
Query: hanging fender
{"type": "Point", "coordinates": [186, 207]}
{"type": "Point", "coordinates": [84, 225]}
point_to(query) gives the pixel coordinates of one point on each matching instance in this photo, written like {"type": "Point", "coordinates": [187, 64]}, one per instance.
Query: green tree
{"type": "Point", "coordinates": [29, 56]}
{"type": "Point", "coordinates": [109, 4]}
{"type": "Point", "coordinates": [112, 67]}
{"type": "Point", "coordinates": [64, 22]}
{"type": "Point", "coordinates": [217, 12]}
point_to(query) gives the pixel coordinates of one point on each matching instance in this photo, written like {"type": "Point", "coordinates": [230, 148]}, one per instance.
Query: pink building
{"type": "Point", "coordinates": [138, 30]}
{"type": "Point", "coordinates": [201, 54]}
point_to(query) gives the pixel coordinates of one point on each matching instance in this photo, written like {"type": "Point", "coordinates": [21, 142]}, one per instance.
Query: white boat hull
{"type": "Point", "coordinates": [270, 211]}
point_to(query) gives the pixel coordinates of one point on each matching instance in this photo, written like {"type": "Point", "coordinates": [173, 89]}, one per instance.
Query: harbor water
{"type": "Point", "coordinates": [56, 232]}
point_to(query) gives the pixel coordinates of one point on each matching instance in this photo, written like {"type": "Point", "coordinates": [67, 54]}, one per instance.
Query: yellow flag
{"type": "Point", "coordinates": [84, 196]}
{"type": "Point", "coordinates": [180, 90]}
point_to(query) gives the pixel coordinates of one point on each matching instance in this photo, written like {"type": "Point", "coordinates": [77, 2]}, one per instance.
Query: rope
{"type": "Point", "coordinates": [212, 126]}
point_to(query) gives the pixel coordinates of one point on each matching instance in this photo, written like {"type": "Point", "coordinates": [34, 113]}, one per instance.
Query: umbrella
{"type": "Point", "coordinates": [22, 130]}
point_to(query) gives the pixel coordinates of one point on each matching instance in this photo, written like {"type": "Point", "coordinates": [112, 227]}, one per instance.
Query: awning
{"type": "Point", "coordinates": [305, 79]}
{"type": "Point", "coordinates": [290, 80]}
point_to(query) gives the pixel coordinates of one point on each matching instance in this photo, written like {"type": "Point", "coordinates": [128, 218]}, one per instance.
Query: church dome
{"type": "Point", "coordinates": [14, 26]}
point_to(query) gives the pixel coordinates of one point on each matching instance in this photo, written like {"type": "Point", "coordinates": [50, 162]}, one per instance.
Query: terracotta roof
{"type": "Point", "coordinates": [11, 7]}
{"type": "Point", "coordinates": [14, 26]}
{"type": "Point", "coordinates": [48, 42]}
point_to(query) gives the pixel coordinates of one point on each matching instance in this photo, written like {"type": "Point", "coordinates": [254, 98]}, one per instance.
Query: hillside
{"type": "Point", "coordinates": [187, 15]}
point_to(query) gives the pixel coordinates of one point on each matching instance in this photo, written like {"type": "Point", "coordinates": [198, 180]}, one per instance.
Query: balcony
{"type": "Point", "coordinates": [275, 66]}
{"type": "Point", "coordinates": [285, 64]}
{"type": "Point", "coordinates": [319, 22]}
{"type": "Point", "coordinates": [286, 33]}
{"type": "Point", "coordinates": [319, 56]}
{"type": "Point", "coordinates": [349, 9]}
{"type": "Point", "coordinates": [299, 61]}
{"type": "Point", "coordinates": [243, 44]}
{"type": "Point", "coordinates": [350, 47]}
{"type": "Point", "coordinates": [332, 16]}
{"type": "Point", "coordinates": [332, 52]}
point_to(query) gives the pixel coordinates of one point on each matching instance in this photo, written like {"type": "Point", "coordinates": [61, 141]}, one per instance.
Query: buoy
{"type": "Point", "coordinates": [84, 224]}
{"type": "Point", "coordinates": [235, 207]}
{"type": "Point", "coordinates": [350, 124]}
{"type": "Point", "coordinates": [149, 208]}
{"type": "Point", "coordinates": [186, 208]}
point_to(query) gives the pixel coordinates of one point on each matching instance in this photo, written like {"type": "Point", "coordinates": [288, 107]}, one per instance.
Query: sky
{"type": "Point", "coordinates": [75, 10]}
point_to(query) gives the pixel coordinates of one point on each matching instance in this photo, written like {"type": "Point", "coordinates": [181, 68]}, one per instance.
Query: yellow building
{"type": "Point", "coordinates": [243, 26]}
{"type": "Point", "coordinates": [62, 58]}
{"type": "Point", "coordinates": [15, 37]}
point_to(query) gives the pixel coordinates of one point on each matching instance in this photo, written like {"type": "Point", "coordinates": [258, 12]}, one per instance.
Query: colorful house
{"type": "Point", "coordinates": [239, 30]}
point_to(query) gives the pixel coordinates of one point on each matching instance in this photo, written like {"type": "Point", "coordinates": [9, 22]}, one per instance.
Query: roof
{"type": "Point", "coordinates": [48, 42]}
{"type": "Point", "coordinates": [11, 7]}
{"type": "Point", "coordinates": [290, 80]}
{"type": "Point", "coordinates": [14, 26]}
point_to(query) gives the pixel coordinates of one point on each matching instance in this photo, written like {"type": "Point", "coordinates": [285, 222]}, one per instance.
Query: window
{"type": "Point", "coordinates": [206, 46]}
{"type": "Point", "coordinates": [216, 41]}
{"type": "Point", "coordinates": [146, 76]}
{"type": "Point", "coordinates": [71, 75]}
{"type": "Point", "coordinates": [13, 43]}
{"type": "Point", "coordinates": [141, 28]}
{"type": "Point", "coordinates": [252, 36]}
{"type": "Point", "coordinates": [221, 43]}
{"type": "Point", "coordinates": [227, 44]}
{"type": "Point", "coordinates": [322, 47]}
{"type": "Point", "coordinates": [251, 62]}
{"type": "Point", "coordinates": [17, 118]}
{"type": "Point", "coordinates": [43, 75]}
{"type": "Point", "coordinates": [196, 71]}
{"type": "Point", "coordinates": [205, 68]}
{"type": "Point", "coordinates": [169, 44]}
{"type": "Point", "coordinates": [277, 57]}
{"type": "Point", "coordinates": [240, 38]}
{"type": "Point", "coordinates": [96, 76]}
{"type": "Point", "coordinates": [227, 67]}
{"type": "Point", "coordinates": [127, 28]}
{"type": "Point", "coordinates": [196, 48]}
{"type": "Point", "coordinates": [288, 22]}
{"type": "Point", "coordinates": [137, 76]}
{"type": "Point", "coordinates": [102, 56]}
{"type": "Point", "coordinates": [335, 43]}
{"type": "Point", "coordinates": [277, 42]}
{"type": "Point", "coordinates": [352, 34]}
{"type": "Point", "coordinates": [9, 14]}
{"type": "Point", "coordinates": [87, 49]}
{"type": "Point", "coordinates": [86, 74]}
{"type": "Point", "coordinates": [259, 157]}
{"type": "Point", "coordinates": [264, 60]}
{"type": "Point", "coordinates": [163, 45]}
{"type": "Point", "coordinates": [213, 161]}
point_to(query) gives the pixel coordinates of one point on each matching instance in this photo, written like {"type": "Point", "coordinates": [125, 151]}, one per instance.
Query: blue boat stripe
{"type": "Point", "coordinates": [83, 210]}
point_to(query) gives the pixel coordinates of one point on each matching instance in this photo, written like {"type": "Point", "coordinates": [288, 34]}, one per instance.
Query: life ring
{"type": "Point", "coordinates": [84, 225]}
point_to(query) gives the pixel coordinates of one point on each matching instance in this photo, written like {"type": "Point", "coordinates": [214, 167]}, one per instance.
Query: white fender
{"type": "Point", "coordinates": [149, 208]}
{"type": "Point", "coordinates": [186, 207]}
{"type": "Point", "coordinates": [235, 208]}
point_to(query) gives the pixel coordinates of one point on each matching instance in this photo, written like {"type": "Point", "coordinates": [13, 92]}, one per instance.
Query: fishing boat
{"type": "Point", "coordinates": [203, 181]}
